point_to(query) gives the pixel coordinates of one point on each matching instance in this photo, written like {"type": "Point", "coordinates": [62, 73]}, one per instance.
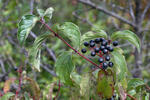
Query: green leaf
{"type": "Point", "coordinates": [92, 35]}
{"type": "Point", "coordinates": [7, 96]}
{"type": "Point", "coordinates": [26, 96]}
{"type": "Point", "coordinates": [40, 12]}
{"type": "Point", "coordinates": [64, 66]}
{"type": "Point", "coordinates": [120, 64]}
{"type": "Point", "coordinates": [133, 83]}
{"type": "Point", "coordinates": [85, 85]}
{"type": "Point", "coordinates": [36, 61]}
{"type": "Point", "coordinates": [35, 51]}
{"type": "Point", "coordinates": [25, 25]}
{"type": "Point", "coordinates": [127, 35]}
{"type": "Point", "coordinates": [119, 50]}
{"type": "Point", "coordinates": [75, 78]}
{"type": "Point", "coordinates": [105, 84]}
{"type": "Point", "coordinates": [46, 14]}
{"type": "Point", "coordinates": [71, 32]}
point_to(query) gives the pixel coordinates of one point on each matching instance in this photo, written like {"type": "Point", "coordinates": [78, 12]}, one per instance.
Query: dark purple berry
{"type": "Point", "coordinates": [15, 68]}
{"type": "Point", "coordinates": [101, 39]}
{"type": "Point", "coordinates": [107, 58]}
{"type": "Point", "coordinates": [96, 49]}
{"type": "Point", "coordinates": [102, 47]}
{"type": "Point", "coordinates": [110, 49]}
{"type": "Point", "coordinates": [86, 44]}
{"type": "Point", "coordinates": [91, 41]}
{"type": "Point", "coordinates": [92, 44]}
{"type": "Point", "coordinates": [105, 51]}
{"type": "Point", "coordinates": [83, 50]}
{"type": "Point", "coordinates": [97, 40]}
{"type": "Point", "coordinates": [110, 64]}
{"type": "Point", "coordinates": [93, 53]}
{"type": "Point", "coordinates": [115, 43]}
{"type": "Point", "coordinates": [104, 43]}
{"type": "Point", "coordinates": [114, 95]}
{"type": "Point", "coordinates": [100, 60]}
{"type": "Point", "coordinates": [104, 65]}
{"type": "Point", "coordinates": [107, 47]}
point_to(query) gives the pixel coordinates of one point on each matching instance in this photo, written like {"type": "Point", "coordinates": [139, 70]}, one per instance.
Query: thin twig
{"type": "Point", "coordinates": [145, 11]}
{"type": "Point", "coordinates": [2, 66]}
{"type": "Point", "coordinates": [131, 10]}
{"type": "Point", "coordinates": [82, 19]}
{"type": "Point", "coordinates": [104, 10]}
{"type": "Point", "coordinates": [31, 6]}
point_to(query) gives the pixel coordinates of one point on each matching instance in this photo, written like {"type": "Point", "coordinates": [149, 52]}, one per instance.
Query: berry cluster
{"type": "Point", "coordinates": [101, 47]}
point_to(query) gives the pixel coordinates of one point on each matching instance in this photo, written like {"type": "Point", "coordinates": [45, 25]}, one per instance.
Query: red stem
{"type": "Point", "coordinates": [58, 90]}
{"type": "Point", "coordinates": [131, 97]}
{"type": "Point", "coordinates": [20, 82]}
{"type": "Point", "coordinates": [57, 35]}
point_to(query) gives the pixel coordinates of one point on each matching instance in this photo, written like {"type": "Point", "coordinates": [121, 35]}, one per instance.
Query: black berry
{"type": "Point", "coordinates": [93, 53]}
{"type": "Point", "coordinates": [96, 49]}
{"type": "Point", "coordinates": [115, 43]}
{"type": "Point", "coordinates": [86, 44]}
{"type": "Point", "coordinates": [107, 58]}
{"type": "Point", "coordinates": [105, 51]}
{"type": "Point", "coordinates": [114, 95]}
{"type": "Point", "coordinates": [102, 47]}
{"type": "Point", "coordinates": [92, 44]}
{"type": "Point", "coordinates": [15, 68]}
{"type": "Point", "coordinates": [97, 40]}
{"type": "Point", "coordinates": [101, 39]}
{"type": "Point", "coordinates": [105, 65]}
{"type": "Point", "coordinates": [83, 50]}
{"type": "Point", "coordinates": [110, 64]}
{"type": "Point", "coordinates": [91, 41]}
{"type": "Point", "coordinates": [107, 47]}
{"type": "Point", "coordinates": [100, 60]}
{"type": "Point", "coordinates": [104, 43]}
{"type": "Point", "coordinates": [110, 49]}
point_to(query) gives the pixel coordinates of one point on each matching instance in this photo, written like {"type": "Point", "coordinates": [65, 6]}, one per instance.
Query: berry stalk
{"type": "Point", "coordinates": [57, 35]}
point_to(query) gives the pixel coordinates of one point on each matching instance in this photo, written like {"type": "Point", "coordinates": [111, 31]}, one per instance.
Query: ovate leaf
{"type": "Point", "coordinates": [35, 51]}
{"type": "Point", "coordinates": [7, 96]}
{"type": "Point", "coordinates": [76, 78]}
{"type": "Point", "coordinates": [92, 35]}
{"type": "Point", "coordinates": [105, 84]}
{"type": "Point", "coordinates": [85, 86]}
{"type": "Point", "coordinates": [133, 83]}
{"type": "Point", "coordinates": [71, 32]}
{"type": "Point", "coordinates": [40, 12]}
{"type": "Point", "coordinates": [120, 65]}
{"type": "Point", "coordinates": [26, 96]}
{"type": "Point", "coordinates": [25, 25]}
{"type": "Point", "coordinates": [127, 35]}
{"type": "Point", "coordinates": [46, 14]}
{"type": "Point", "coordinates": [36, 60]}
{"type": "Point", "coordinates": [64, 66]}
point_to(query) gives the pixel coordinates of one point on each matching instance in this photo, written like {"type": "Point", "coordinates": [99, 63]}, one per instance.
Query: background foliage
{"type": "Point", "coordinates": [87, 18]}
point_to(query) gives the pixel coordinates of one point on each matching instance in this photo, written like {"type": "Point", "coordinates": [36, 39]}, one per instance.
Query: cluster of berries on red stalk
{"type": "Point", "coordinates": [101, 47]}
